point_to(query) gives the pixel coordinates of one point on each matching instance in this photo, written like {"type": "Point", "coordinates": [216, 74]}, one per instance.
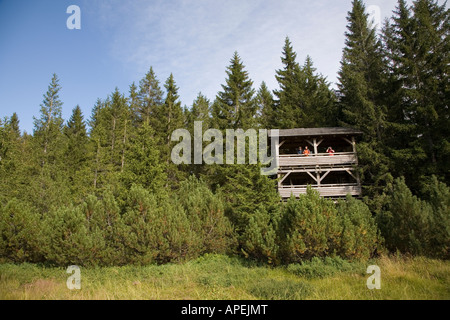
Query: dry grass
{"type": "Point", "coordinates": [224, 278]}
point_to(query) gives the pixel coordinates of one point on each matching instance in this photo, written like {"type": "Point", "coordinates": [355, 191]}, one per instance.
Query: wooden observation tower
{"type": "Point", "coordinates": [333, 174]}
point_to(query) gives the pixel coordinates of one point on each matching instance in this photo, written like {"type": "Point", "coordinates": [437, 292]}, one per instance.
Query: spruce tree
{"type": "Point", "coordinates": [235, 105]}
{"type": "Point", "coordinates": [362, 99]}
{"type": "Point", "coordinates": [417, 45]}
{"type": "Point", "coordinates": [49, 187]}
{"type": "Point", "coordinates": [170, 117]}
{"type": "Point", "coordinates": [200, 111]}
{"type": "Point", "coordinates": [77, 153]}
{"type": "Point", "coordinates": [287, 99]}
{"type": "Point", "coordinates": [48, 127]}
{"type": "Point", "coordinates": [150, 98]}
{"type": "Point", "coordinates": [144, 166]}
{"type": "Point", "coordinates": [317, 100]}
{"type": "Point", "coordinates": [265, 102]}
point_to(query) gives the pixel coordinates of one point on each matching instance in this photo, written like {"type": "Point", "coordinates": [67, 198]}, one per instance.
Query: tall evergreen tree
{"type": "Point", "coordinates": [235, 105]}
{"type": "Point", "coordinates": [361, 87]}
{"type": "Point", "coordinates": [144, 165]}
{"type": "Point", "coordinates": [77, 153]}
{"type": "Point", "coordinates": [318, 100]}
{"type": "Point", "coordinates": [110, 131]}
{"type": "Point", "coordinates": [417, 45]}
{"type": "Point", "coordinates": [264, 100]}
{"type": "Point", "coordinates": [47, 128]}
{"type": "Point", "coordinates": [304, 98]}
{"type": "Point", "coordinates": [286, 113]}
{"type": "Point", "coordinates": [200, 111]}
{"type": "Point", "coordinates": [49, 187]}
{"type": "Point", "coordinates": [150, 97]}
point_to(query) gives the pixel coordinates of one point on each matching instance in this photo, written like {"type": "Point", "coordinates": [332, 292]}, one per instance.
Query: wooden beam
{"type": "Point", "coordinates": [284, 178]}
{"type": "Point", "coordinates": [351, 143]}
{"type": "Point", "coordinates": [315, 179]}
{"type": "Point", "coordinates": [314, 170]}
{"type": "Point", "coordinates": [350, 173]}
{"type": "Point", "coordinates": [315, 146]}
{"type": "Point", "coordinates": [354, 144]}
{"type": "Point", "coordinates": [323, 177]}
{"type": "Point", "coordinates": [318, 143]}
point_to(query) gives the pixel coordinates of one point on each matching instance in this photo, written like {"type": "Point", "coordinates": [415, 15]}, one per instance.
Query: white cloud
{"type": "Point", "coordinates": [195, 39]}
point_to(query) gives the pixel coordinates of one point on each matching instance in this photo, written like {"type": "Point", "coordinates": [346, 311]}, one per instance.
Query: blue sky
{"type": "Point", "coordinates": [194, 39]}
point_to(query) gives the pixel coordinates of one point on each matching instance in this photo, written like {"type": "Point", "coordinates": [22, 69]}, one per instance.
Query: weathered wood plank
{"type": "Point", "coordinates": [299, 161]}
{"type": "Point", "coordinates": [324, 191]}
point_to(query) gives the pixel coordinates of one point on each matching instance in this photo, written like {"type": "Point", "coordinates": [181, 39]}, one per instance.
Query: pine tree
{"type": "Point", "coordinates": [171, 113]}
{"type": "Point", "coordinates": [77, 153]}
{"type": "Point", "coordinates": [200, 111]}
{"type": "Point", "coordinates": [287, 99]}
{"type": "Point", "coordinates": [144, 167]}
{"type": "Point", "coordinates": [170, 117]}
{"type": "Point", "coordinates": [318, 102]}
{"type": "Point", "coordinates": [362, 99]}
{"type": "Point", "coordinates": [235, 106]}
{"type": "Point", "coordinates": [49, 187]}
{"type": "Point", "coordinates": [47, 128]}
{"type": "Point", "coordinates": [11, 168]}
{"type": "Point", "coordinates": [110, 132]}
{"type": "Point", "coordinates": [133, 100]}
{"type": "Point", "coordinates": [150, 97]}
{"type": "Point", "coordinates": [265, 102]}
{"type": "Point", "coordinates": [417, 46]}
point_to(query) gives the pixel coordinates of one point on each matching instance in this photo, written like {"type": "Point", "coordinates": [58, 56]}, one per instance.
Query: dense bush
{"type": "Point", "coordinates": [259, 240]}
{"type": "Point", "coordinates": [157, 228]}
{"type": "Point", "coordinates": [411, 225]}
{"type": "Point", "coordinates": [206, 214]}
{"type": "Point", "coordinates": [315, 227]}
{"type": "Point", "coordinates": [360, 237]}
{"type": "Point", "coordinates": [19, 232]}
{"type": "Point", "coordinates": [67, 239]}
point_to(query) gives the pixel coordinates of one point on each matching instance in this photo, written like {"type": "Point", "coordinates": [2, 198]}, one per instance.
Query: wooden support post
{"type": "Point", "coordinates": [284, 178]}
{"type": "Point", "coordinates": [350, 173]}
{"type": "Point", "coordinates": [315, 146]}
{"type": "Point", "coordinates": [354, 144]}
{"type": "Point", "coordinates": [314, 178]}
{"type": "Point", "coordinates": [323, 177]}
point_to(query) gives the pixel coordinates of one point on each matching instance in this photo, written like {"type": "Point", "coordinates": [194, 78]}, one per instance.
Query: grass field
{"type": "Point", "coordinates": [224, 278]}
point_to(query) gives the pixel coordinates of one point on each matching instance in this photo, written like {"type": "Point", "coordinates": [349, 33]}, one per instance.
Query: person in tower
{"type": "Point", "coordinates": [306, 152]}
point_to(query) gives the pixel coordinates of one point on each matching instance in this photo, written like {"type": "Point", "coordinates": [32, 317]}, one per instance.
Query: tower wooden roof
{"type": "Point", "coordinates": [311, 132]}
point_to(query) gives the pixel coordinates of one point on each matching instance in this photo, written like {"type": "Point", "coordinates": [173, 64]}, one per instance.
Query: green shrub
{"type": "Point", "coordinates": [206, 214]}
{"type": "Point", "coordinates": [19, 232]}
{"type": "Point", "coordinates": [439, 198]}
{"type": "Point", "coordinates": [360, 236]}
{"type": "Point", "coordinates": [156, 229]}
{"type": "Point", "coordinates": [259, 239]}
{"type": "Point", "coordinates": [104, 216]}
{"type": "Point", "coordinates": [66, 238]}
{"type": "Point", "coordinates": [309, 227]}
{"type": "Point", "coordinates": [407, 222]}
